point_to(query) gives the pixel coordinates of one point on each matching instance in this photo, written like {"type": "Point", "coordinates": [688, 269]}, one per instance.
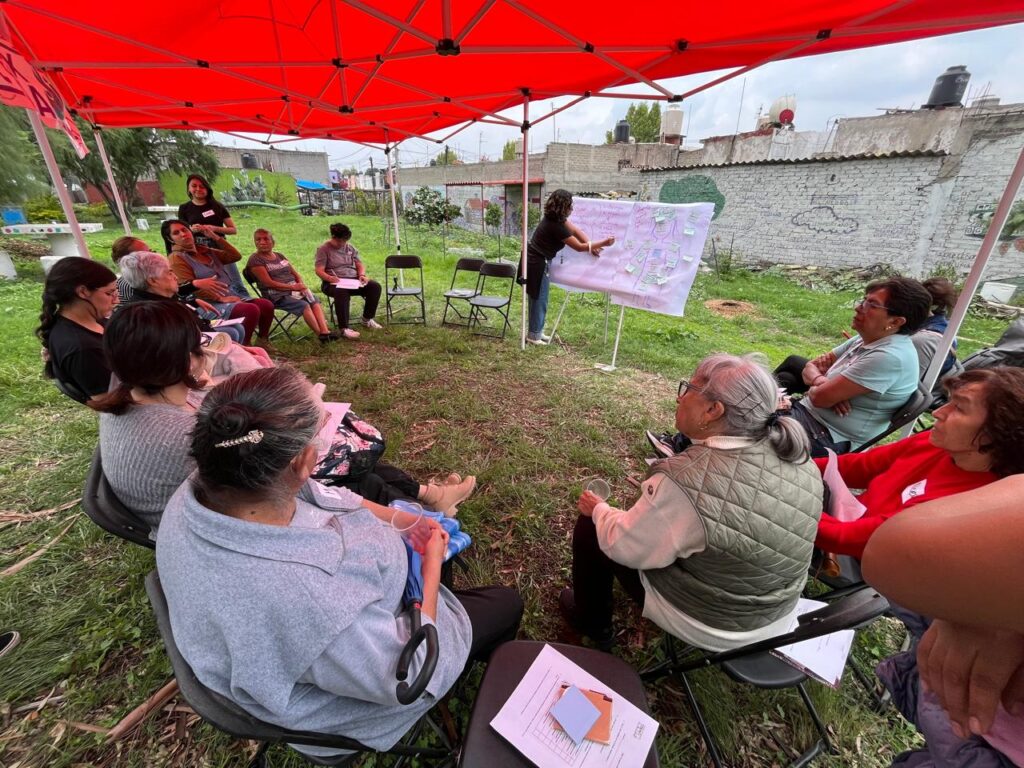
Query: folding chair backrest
{"type": "Point", "coordinates": [496, 269]}
{"type": "Point", "coordinates": [108, 512]}
{"type": "Point", "coordinates": [220, 712]}
{"type": "Point", "coordinates": [854, 610]}
{"type": "Point", "coordinates": [254, 284]}
{"type": "Point", "coordinates": [917, 403]}
{"type": "Point", "coordinates": [403, 262]}
{"type": "Point", "coordinates": [466, 265]}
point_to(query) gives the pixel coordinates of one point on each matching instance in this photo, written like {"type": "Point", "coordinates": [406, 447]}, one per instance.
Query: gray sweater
{"type": "Point", "coordinates": [300, 625]}
{"type": "Point", "coordinates": [145, 456]}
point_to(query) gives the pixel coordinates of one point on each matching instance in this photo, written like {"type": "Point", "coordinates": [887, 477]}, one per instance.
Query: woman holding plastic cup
{"type": "Point", "coordinates": [284, 596]}
{"type": "Point", "coordinates": [717, 547]}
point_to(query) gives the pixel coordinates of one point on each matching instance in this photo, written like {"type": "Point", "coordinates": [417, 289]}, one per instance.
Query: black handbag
{"type": "Point", "coordinates": [355, 450]}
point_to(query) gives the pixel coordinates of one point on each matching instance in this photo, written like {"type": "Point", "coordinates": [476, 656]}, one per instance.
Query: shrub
{"type": "Point", "coordinates": [43, 210]}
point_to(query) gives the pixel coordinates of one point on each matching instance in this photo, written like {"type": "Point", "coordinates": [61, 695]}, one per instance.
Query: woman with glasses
{"type": "Point", "coordinates": [78, 297]}
{"type": "Point", "coordinates": [717, 547]}
{"type": "Point", "coordinates": [853, 390]}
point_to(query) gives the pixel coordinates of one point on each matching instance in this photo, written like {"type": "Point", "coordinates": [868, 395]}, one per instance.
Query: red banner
{"type": "Point", "coordinates": [22, 86]}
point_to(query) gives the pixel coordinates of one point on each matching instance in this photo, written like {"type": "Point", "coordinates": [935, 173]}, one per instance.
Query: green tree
{"type": "Point", "coordinates": [493, 219]}
{"type": "Point", "coordinates": [644, 123]}
{"type": "Point", "coordinates": [446, 157]}
{"type": "Point", "coordinates": [508, 152]}
{"type": "Point", "coordinates": [134, 153]}
{"type": "Point", "coordinates": [22, 173]}
{"type": "Point", "coordinates": [429, 207]}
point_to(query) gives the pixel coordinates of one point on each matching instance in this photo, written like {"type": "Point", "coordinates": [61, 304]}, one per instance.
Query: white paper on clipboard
{"type": "Point", "coordinates": [842, 504]}
{"type": "Point", "coordinates": [823, 658]}
{"type": "Point", "coordinates": [526, 722]}
{"type": "Point", "coordinates": [348, 283]}
{"type": "Point", "coordinates": [337, 412]}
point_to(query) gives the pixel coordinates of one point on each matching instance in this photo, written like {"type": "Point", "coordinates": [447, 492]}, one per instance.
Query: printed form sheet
{"type": "Point", "coordinates": [526, 721]}
{"type": "Point", "coordinates": [655, 257]}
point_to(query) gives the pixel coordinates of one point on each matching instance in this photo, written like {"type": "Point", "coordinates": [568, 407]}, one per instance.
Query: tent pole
{"type": "Point", "coordinates": [394, 204]}
{"type": "Point", "coordinates": [526, 203]}
{"type": "Point", "coordinates": [995, 226]}
{"type": "Point", "coordinates": [110, 179]}
{"type": "Point", "coordinates": [58, 181]}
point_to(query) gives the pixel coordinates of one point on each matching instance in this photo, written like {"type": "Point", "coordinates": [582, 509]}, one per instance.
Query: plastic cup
{"type": "Point", "coordinates": [598, 487]}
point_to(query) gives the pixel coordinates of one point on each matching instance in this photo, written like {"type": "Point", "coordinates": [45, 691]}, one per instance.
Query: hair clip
{"type": "Point", "coordinates": [252, 436]}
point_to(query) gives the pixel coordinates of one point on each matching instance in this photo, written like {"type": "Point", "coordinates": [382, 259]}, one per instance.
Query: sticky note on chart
{"type": "Point", "coordinates": [574, 712]}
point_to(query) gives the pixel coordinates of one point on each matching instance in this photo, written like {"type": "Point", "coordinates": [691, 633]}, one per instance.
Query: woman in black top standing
{"type": "Point", "coordinates": [207, 216]}
{"type": "Point", "coordinates": [551, 234]}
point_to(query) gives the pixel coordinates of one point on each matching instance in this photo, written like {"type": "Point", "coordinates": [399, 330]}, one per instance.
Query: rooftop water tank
{"type": "Point", "coordinates": [622, 132]}
{"type": "Point", "coordinates": [672, 125]}
{"type": "Point", "coordinates": [949, 88]}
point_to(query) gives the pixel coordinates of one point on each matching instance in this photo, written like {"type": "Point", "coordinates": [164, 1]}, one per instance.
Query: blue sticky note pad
{"type": "Point", "coordinates": [575, 714]}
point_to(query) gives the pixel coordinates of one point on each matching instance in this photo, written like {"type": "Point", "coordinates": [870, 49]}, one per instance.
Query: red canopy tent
{"type": "Point", "coordinates": [385, 70]}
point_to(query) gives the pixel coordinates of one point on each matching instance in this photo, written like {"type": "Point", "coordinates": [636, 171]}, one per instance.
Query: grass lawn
{"type": "Point", "coordinates": [532, 426]}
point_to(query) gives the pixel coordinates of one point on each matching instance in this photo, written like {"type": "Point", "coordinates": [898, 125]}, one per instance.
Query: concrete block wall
{"type": "Point", "coordinates": [972, 194]}
{"type": "Point", "coordinates": [311, 166]}
{"type": "Point", "coordinates": [836, 214]}
{"type": "Point", "coordinates": [914, 213]}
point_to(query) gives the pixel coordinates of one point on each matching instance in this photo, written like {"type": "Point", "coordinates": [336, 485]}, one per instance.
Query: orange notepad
{"type": "Point", "coordinates": [601, 731]}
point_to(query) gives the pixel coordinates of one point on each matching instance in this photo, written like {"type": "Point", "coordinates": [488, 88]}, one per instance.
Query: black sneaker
{"type": "Point", "coordinates": [604, 639]}
{"type": "Point", "coordinates": [662, 444]}
{"type": "Point", "coordinates": [8, 640]}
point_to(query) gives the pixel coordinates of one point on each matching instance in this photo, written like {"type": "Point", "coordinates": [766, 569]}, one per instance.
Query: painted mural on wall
{"type": "Point", "coordinates": [823, 220]}
{"type": "Point", "coordinates": [693, 189]}
{"type": "Point", "coordinates": [979, 219]}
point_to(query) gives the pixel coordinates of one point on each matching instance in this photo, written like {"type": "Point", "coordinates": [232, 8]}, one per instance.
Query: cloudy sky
{"type": "Point", "coordinates": [851, 84]}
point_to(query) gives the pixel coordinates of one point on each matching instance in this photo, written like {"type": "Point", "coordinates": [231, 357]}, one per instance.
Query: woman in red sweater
{"type": "Point", "coordinates": [977, 438]}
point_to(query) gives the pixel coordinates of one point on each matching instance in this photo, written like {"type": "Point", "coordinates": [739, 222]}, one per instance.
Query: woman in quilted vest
{"type": "Point", "coordinates": [717, 547]}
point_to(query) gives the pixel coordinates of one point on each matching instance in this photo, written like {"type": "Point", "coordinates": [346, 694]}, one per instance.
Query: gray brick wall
{"type": "Point", "coordinates": [311, 166]}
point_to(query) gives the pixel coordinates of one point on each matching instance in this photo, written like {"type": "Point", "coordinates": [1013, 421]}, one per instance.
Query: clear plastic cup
{"type": "Point", "coordinates": [598, 487]}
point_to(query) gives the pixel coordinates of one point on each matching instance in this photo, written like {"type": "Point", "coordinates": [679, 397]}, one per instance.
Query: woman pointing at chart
{"type": "Point", "coordinates": [551, 234]}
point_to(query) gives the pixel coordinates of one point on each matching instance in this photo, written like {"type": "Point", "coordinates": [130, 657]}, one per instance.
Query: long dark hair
{"type": "Point", "coordinates": [60, 289]}
{"type": "Point", "coordinates": [149, 345]}
{"type": "Point", "coordinates": [204, 182]}
{"type": "Point", "coordinates": [558, 205]}
{"type": "Point", "coordinates": [165, 232]}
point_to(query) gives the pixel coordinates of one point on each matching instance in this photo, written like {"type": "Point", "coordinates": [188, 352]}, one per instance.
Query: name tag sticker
{"type": "Point", "coordinates": [207, 214]}
{"type": "Point", "coordinates": [913, 491]}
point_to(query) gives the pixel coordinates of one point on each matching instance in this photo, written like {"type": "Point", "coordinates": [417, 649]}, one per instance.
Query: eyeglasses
{"type": "Point", "coordinates": [685, 385]}
{"type": "Point", "coordinates": [869, 304]}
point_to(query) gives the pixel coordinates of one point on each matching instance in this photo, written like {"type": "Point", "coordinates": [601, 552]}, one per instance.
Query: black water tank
{"type": "Point", "coordinates": [249, 161]}
{"type": "Point", "coordinates": [622, 132]}
{"type": "Point", "coordinates": [949, 88]}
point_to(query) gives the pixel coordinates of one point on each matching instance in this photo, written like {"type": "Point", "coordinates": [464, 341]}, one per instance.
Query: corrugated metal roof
{"type": "Point", "coordinates": [492, 183]}
{"type": "Point", "coordinates": [821, 158]}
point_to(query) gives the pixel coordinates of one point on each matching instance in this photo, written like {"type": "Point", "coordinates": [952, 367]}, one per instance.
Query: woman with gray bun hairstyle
{"type": "Point", "coordinates": [717, 547]}
{"type": "Point", "coordinates": [285, 596]}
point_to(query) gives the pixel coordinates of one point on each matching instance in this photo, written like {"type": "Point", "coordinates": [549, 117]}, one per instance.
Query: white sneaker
{"type": "Point", "coordinates": [539, 342]}
{"type": "Point", "coordinates": [372, 324]}
{"type": "Point", "coordinates": [348, 333]}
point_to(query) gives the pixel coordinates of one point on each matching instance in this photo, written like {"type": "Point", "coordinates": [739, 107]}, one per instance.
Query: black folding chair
{"type": "Point", "coordinates": [754, 665]}
{"type": "Point", "coordinates": [916, 404]}
{"type": "Point", "coordinates": [464, 292]}
{"type": "Point", "coordinates": [500, 302]}
{"type": "Point", "coordinates": [402, 297]}
{"type": "Point", "coordinates": [108, 512]}
{"type": "Point", "coordinates": [225, 715]}
{"type": "Point", "coordinates": [484, 748]}
{"type": "Point", "coordinates": [284, 322]}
